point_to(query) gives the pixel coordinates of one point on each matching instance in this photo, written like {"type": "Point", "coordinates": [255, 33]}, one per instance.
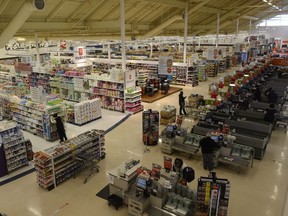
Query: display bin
{"type": "Point", "coordinates": [166, 114]}
{"type": "Point", "coordinates": [165, 121]}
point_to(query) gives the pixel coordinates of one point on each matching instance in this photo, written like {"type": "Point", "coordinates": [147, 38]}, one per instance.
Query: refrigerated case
{"type": "Point", "coordinates": [150, 127]}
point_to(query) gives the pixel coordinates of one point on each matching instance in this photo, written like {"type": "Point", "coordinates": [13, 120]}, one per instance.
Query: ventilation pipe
{"type": "Point", "coordinates": [19, 19]}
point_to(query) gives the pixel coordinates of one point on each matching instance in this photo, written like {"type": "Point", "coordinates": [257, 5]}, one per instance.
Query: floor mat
{"type": "Point", "coordinates": [104, 193]}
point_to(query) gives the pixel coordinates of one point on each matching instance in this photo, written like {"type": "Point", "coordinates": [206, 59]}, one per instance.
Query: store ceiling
{"type": "Point", "coordinates": [99, 19]}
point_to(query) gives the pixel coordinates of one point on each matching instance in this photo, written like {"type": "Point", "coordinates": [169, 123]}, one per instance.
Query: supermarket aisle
{"type": "Point", "coordinates": [260, 191]}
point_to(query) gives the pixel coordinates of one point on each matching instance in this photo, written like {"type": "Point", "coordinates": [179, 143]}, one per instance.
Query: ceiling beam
{"type": "Point", "coordinates": [91, 11]}
{"type": "Point", "coordinates": [3, 6]}
{"type": "Point", "coordinates": [209, 9]}
{"type": "Point", "coordinates": [77, 11]}
{"type": "Point", "coordinates": [55, 10]}
{"type": "Point", "coordinates": [197, 6]}
{"type": "Point", "coordinates": [228, 22]}
{"type": "Point", "coordinates": [172, 3]}
{"type": "Point", "coordinates": [249, 17]}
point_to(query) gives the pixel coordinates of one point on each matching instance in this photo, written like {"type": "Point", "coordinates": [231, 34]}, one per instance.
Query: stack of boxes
{"type": "Point", "coordinates": [87, 111]}
{"type": "Point", "coordinates": [168, 115]}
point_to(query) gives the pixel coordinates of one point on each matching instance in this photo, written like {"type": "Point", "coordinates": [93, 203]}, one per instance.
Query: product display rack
{"type": "Point", "coordinates": [202, 72]}
{"type": "Point", "coordinates": [28, 115]}
{"type": "Point", "coordinates": [35, 117]}
{"type": "Point", "coordinates": [179, 75]}
{"type": "Point", "coordinates": [222, 65]}
{"type": "Point", "coordinates": [63, 161]}
{"type": "Point", "coordinates": [13, 148]}
{"type": "Point", "coordinates": [133, 100]}
{"type": "Point", "coordinates": [212, 196]}
{"type": "Point", "coordinates": [49, 129]}
{"type": "Point", "coordinates": [150, 127]}
{"type": "Point", "coordinates": [84, 112]}
{"type": "Point", "coordinates": [192, 76]}
{"type": "Point", "coordinates": [111, 94]}
{"type": "Point", "coordinates": [5, 76]}
{"type": "Point", "coordinates": [213, 68]}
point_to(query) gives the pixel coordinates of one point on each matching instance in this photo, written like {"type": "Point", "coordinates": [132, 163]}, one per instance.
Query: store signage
{"type": "Point", "coordinates": [130, 79]}
{"type": "Point", "coordinates": [28, 46]}
{"type": "Point", "coordinates": [165, 65]}
{"type": "Point", "coordinates": [80, 55]}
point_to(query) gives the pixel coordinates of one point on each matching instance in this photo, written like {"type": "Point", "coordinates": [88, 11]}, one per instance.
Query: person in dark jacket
{"type": "Point", "coordinates": [270, 113]}
{"type": "Point", "coordinates": [182, 104]}
{"type": "Point", "coordinates": [60, 127]}
{"type": "Point", "coordinates": [208, 145]}
{"type": "Point", "coordinates": [257, 94]}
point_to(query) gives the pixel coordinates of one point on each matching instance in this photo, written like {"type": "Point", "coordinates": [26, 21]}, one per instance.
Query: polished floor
{"type": "Point", "coordinates": [261, 191]}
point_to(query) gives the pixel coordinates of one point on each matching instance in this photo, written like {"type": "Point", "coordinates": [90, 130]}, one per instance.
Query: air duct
{"type": "Point", "coordinates": [19, 19]}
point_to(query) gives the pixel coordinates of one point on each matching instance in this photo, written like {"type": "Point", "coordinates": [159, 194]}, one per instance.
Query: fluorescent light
{"type": "Point", "coordinates": [246, 75]}
{"type": "Point", "coordinates": [269, 3]}
{"type": "Point", "coordinates": [264, 0]}
{"type": "Point", "coordinates": [280, 9]}
{"type": "Point", "coordinates": [232, 84]}
{"type": "Point", "coordinates": [274, 6]}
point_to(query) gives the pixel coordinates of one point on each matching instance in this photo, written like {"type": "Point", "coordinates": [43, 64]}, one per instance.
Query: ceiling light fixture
{"type": "Point", "coordinates": [269, 3]}
{"type": "Point", "coordinates": [264, 0]}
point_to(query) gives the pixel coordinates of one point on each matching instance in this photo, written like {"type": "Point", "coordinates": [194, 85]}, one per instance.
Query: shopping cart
{"type": "Point", "coordinates": [88, 165]}
{"type": "Point", "coordinates": [282, 120]}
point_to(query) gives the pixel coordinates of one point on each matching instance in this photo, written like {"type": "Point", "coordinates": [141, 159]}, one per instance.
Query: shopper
{"type": "Point", "coordinates": [182, 104]}
{"type": "Point", "coordinates": [208, 145]}
{"type": "Point", "coordinates": [270, 113]}
{"type": "Point", "coordinates": [257, 94]}
{"type": "Point", "coordinates": [60, 127]}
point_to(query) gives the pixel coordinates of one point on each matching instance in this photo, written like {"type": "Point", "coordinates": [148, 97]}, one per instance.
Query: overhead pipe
{"type": "Point", "coordinates": [18, 20]}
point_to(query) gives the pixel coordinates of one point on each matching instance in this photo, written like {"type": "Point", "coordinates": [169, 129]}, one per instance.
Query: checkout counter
{"type": "Point", "coordinates": [145, 195]}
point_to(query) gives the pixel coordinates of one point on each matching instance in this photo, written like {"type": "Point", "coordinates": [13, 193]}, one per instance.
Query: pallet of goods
{"type": "Point", "coordinates": [168, 115]}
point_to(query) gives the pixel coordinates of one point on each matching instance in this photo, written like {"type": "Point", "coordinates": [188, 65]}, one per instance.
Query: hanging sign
{"type": "Point", "coordinates": [165, 65]}
{"type": "Point", "coordinates": [130, 78]}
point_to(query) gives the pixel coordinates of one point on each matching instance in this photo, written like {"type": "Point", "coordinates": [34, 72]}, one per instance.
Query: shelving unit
{"type": "Point", "coordinates": [61, 162]}
{"type": "Point", "coordinates": [86, 111]}
{"type": "Point", "coordinates": [28, 115]}
{"type": "Point", "coordinates": [150, 127]}
{"type": "Point", "coordinates": [133, 100]}
{"type": "Point", "coordinates": [192, 76]}
{"type": "Point", "coordinates": [179, 75]}
{"type": "Point", "coordinates": [111, 94]}
{"type": "Point", "coordinates": [13, 152]}
{"type": "Point", "coordinates": [212, 196]}
{"type": "Point", "coordinates": [212, 68]}
{"type": "Point", "coordinates": [35, 117]}
{"type": "Point", "coordinates": [202, 72]}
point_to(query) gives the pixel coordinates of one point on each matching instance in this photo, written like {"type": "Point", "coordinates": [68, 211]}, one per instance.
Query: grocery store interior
{"type": "Point", "coordinates": [89, 128]}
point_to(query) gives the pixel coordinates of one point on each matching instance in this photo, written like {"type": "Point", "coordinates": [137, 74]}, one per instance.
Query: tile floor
{"type": "Point", "coordinates": [261, 191]}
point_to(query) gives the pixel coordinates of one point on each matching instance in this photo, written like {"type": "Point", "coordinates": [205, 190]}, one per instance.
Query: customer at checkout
{"type": "Point", "coordinates": [270, 113]}
{"type": "Point", "coordinates": [208, 145]}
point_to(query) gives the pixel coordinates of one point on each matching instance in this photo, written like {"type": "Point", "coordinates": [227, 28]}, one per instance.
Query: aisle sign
{"type": "Point", "coordinates": [165, 65]}
{"type": "Point", "coordinates": [130, 80]}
